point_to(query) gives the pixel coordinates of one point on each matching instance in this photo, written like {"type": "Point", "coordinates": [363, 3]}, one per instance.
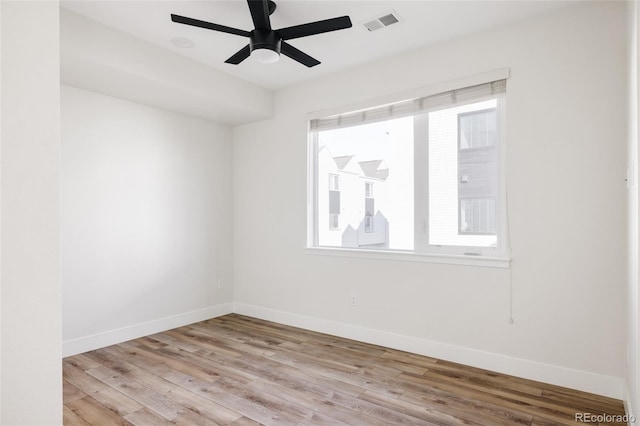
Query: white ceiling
{"type": "Point", "coordinates": [423, 23]}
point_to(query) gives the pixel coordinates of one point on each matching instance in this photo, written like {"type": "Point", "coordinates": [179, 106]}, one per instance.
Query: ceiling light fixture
{"type": "Point", "coordinates": [265, 56]}
{"type": "Point", "coordinates": [265, 43]}
{"type": "Point", "coordinates": [265, 46]}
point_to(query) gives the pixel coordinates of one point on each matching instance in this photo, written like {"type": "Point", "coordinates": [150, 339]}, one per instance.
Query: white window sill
{"type": "Point", "coordinates": [407, 256]}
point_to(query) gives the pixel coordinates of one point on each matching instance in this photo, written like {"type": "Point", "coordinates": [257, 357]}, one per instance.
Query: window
{"type": "Point", "coordinates": [477, 129]}
{"type": "Point", "coordinates": [334, 222]}
{"type": "Point", "coordinates": [368, 189]}
{"type": "Point", "coordinates": [334, 202]}
{"type": "Point", "coordinates": [477, 177]}
{"type": "Point", "coordinates": [436, 165]}
{"type": "Point", "coordinates": [369, 207]}
{"type": "Point", "coordinates": [334, 182]}
{"type": "Point", "coordinates": [368, 224]}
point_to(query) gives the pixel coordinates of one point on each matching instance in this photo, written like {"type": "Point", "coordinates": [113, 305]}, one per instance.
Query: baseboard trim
{"type": "Point", "coordinates": [628, 406]}
{"type": "Point", "coordinates": [112, 337]}
{"type": "Point", "coordinates": [561, 376]}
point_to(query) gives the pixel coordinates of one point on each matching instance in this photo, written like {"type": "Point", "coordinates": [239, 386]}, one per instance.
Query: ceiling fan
{"type": "Point", "coordinates": [265, 43]}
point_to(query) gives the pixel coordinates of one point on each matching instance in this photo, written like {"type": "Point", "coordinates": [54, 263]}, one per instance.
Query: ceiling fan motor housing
{"type": "Point", "coordinates": [264, 39]}
{"type": "Point", "coordinates": [266, 42]}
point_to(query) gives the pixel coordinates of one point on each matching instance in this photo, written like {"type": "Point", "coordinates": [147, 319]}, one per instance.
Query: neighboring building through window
{"type": "Point", "coordinates": [429, 169]}
{"type": "Point", "coordinates": [368, 224]}
{"type": "Point", "coordinates": [334, 202]}
{"type": "Point", "coordinates": [369, 207]}
{"type": "Point", "coordinates": [334, 182]}
{"type": "Point", "coordinates": [334, 221]}
{"type": "Point", "coordinates": [368, 189]}
{"type": "Point", "coordinates": [360, 223]}
{"type": "Point", "coordinates": [477, 173]}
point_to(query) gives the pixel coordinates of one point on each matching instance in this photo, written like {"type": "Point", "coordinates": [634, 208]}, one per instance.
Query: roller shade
{"type": "Point", "coordinates": [410, 107]}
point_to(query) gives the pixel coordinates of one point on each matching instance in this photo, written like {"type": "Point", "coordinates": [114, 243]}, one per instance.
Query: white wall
{"type": "Point", "coordinates": [633, 216]}
{"type": "Point", "coordinates": [566, 136]}
{"type": "Point", "coordinates": [31, 377]}
{"type": "Point", "coordinates": [102, 59]}
{"type": "Point", "coordinates": [145, 220]}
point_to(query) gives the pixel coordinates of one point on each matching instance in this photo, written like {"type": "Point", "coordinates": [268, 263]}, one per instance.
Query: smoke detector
{"type": "Point", "coordinates": [381, 21]}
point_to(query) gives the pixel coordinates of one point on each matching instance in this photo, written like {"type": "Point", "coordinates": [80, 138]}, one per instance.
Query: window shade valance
{"type": "Point", "coordinates": [409, 107]}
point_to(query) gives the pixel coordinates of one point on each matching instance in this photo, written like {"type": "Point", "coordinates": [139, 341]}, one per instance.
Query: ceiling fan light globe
{"type": "Point", "coordinates": [265, 56]}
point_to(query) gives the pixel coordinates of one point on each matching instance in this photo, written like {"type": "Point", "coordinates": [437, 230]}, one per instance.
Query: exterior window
{"type": "Point", "coordinates": [368, 224]}
{"type": "Point", "coordinates": [368, 189]}
{"type": "Point", "coordinates": [334, 202]}
{"type": "Point", "coordinates": [334, 222]}
{"type": "Point", "coordinates": [334, 183]}
{"type": "Point", "coordinates": [478, 216]}
{"type": "Point", "coordinates": [477, 177]}
{"type": "Point", "coordinates": [436, 167]}
{"type": "Point", "coordinates": [369, 207]}
{"type": "Point", "coordinates": [477, 129]}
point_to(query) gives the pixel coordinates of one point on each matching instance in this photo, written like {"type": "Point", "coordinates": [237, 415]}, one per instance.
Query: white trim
{"type": "Point", "coordinates": [119, 335]}
{"type": "Point", "coordinates": [628, 406]}
{"type": "Point", "coordinates": [562, 376]}
{"type": "Point", "coordinates": [409, 256]}
{"type": "Point", "coordinates": [312, 188]}
{"type": "Point", "coordinates": [433, 89]}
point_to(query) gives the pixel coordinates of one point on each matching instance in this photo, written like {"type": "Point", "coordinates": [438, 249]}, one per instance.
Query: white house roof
{"type": "Point", "coordinates": [377, 169]}
{"type": "Point", "coordinates": [343, 161]}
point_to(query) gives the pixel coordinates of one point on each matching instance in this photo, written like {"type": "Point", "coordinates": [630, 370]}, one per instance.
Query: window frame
{"type": "Point", "coordinates": [498, 257]}
{"type": "Point", "coordinates": [421, 190]}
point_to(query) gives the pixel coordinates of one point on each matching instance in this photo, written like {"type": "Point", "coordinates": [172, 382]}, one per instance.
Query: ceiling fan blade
{"type": "Point", "coordinates": [208, 25]}
{"type": "Point", "coordinates": [260, 14]}
{"type": "Point", "coordinates": [240, 56]}
{"type": "Point", "coordinates": [317, 27]}
{"type": "Point", "coordinates": [298, 55]}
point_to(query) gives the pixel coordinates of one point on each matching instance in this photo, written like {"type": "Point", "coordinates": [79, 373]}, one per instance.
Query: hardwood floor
{"type": "Point", "coordinates": [236, 370]}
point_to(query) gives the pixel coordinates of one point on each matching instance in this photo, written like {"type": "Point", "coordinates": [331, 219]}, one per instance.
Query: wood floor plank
{"type": "Point", "coordinates": [562, 415]}
{"type": "Point", "coordinates": [484, 378]}
{"type": "Point", "coordinates": [242, 371]}
{"type": "Point", "coordinates": [464, 407]}
{"type": "Point", "coordinates": [304, 398]}
{"type": "Point", "coordinates": [71, 392]}
{"type": "Point", "coordinates": [243, 421]}
{"type": "Point", "coordinates": [145, 396]}
{"type": "Point", "coordinates": [175, 360]}
{"type": "Point", "coordinates": [300, 413]}
{"type": "Point", "coordinates": [95, 413]}
{"type": "Point", "coordinates": [215, 413]}
{"type": "Point", "coordinates": [584, 403]}
{"type": "Point", "coordinates": [107, 396]}
{"type": "Point", "coordinates": [70, 418]}
{"type": "Point", "coordinates": [219, 395]}
{"type": "Point", "coordinates": [146, 417]}
{"type": "Point", "coordinates": [82, 361]}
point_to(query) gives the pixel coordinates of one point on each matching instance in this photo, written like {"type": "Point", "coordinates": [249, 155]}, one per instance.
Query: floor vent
{"type": "Point", "coordinates": [379, 22]}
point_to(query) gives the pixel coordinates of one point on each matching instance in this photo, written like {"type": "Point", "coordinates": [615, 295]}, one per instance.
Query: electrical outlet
{"type": "Point", "coordinates": [354, 300]}
{"type": "Point", "coordinates": [220, 283]}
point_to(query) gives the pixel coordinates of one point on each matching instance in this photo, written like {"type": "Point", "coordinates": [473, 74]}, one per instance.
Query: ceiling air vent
{"type": "Point", "coordinates": [384, 20]}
